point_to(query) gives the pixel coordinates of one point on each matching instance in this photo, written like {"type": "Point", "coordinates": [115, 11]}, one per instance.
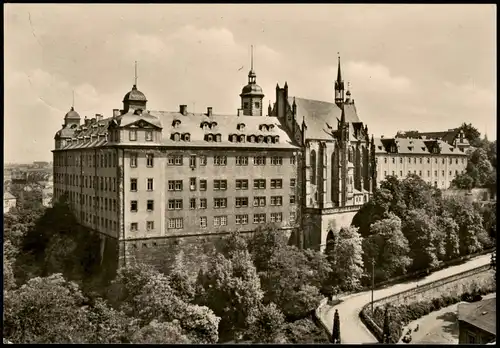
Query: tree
{"type": "Point", "coordinates": [419, 195]}
{"type": "Point", "coordinates": [263, 244]}
{"type": "Point", "coordinates": [373, 210]}
{"type": "Point", "coordinates": [471, 134]}
{"type": "Point", "coordinates": [231, 288]}
{"type": "Point", "coordinates": [463, 181]}
{"type": "Point", "coordinates": [336, 328]}
{"type": "Point", "coordinates": [388, 247]}
{"type": "Point", "coordinates": [386, 329]}
{"type": "Point", "coordinates": [266, 324]}
{"type": "Point", "coordinates": [305, 331]}
{"type": "Point", "coordinates": [396, 188]}
{"type": "Point", "coordinates": [180, 280]}
{"type": "Point", "coordinates": [45, 310]}
{"type": "Point", "coordinates": [421, 232]}
{"type": "Point", "coordinates": [479, 167]}
{"type": "Point", "coordinates": [9, 254]}
{"type": "Point", "coordinates": [347, 258]}
{"type": "Point", "coordinates": [161, 333]}
{"type": "Point", "coordinates": [448, 242]}
{"type": "Point", "coordinates": [232, 243]}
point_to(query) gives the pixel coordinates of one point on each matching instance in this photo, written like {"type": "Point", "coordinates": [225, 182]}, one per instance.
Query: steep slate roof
{"type": "Point", "coordinates": [190, 123]}
{"type": "Point", "coordinates": [418, 146]}
{"type": "Point", "coordinates": [321, 117]}
{"type": "Point", "coordinates": [447, 136]}
{"type": "Point", "coordinates": [226, 126]}
{"type": "Point", "coordinates": [481, 314]}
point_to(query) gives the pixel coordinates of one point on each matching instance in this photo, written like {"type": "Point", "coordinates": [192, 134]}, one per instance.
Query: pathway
{"type": "Point", "coordinates": [354, 331]}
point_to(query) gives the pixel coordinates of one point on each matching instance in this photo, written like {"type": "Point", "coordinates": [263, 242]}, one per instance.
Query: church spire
{"type": "Point", "coordinates": [339, 87]}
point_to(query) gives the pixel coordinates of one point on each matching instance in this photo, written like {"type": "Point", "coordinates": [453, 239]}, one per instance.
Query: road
{"type": "Point", "coordinates": [354, 331]}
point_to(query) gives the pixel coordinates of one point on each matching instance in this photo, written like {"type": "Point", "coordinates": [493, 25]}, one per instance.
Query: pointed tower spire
{"type": "Point", "coordinates": [251, 61]}
{"type": "Point", "coordinates": [339, 87]}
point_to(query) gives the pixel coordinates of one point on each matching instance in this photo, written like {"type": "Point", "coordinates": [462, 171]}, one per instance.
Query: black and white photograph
{"type": "Point", "coordinates": [242, 173]}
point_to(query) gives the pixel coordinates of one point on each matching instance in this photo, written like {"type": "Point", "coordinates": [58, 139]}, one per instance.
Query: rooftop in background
{"type": "Point", "coordinates": [448, 136]}
{"type": "Point", "coordinates": [416, 147]}
{"type": "Point", "coordinates": [482, 314]}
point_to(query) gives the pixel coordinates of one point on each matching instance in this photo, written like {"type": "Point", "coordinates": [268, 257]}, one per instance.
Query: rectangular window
{"type": "Point", "coordinates": [292, 183]}
{"type": "Point", "coordinates": [192, 184]}
{"type": "Point", "coordinates": [175, 223]}
{"type": "Point", "coordinates": [174, 204]}
{"type": "Point", "coordinates": [150, 225]}
{"type": "Point", "coordinates": [192, 203]}
{"type": "Point", "coordinates": [450, 172]}
{"type": "Point", "coordinates": [259, 218]}
{"type": "Point", "coordinates": [150, 184]}
{"type": "Point", "coordinates": [220, 203]}
{"type": "Point", "coordinates": [149, 135]}
{"type": "Point", "coordinates": [133, 184]}
{"type": "Point", "coordinates": [150, 205]}
{"type": "Point", "coordinates": [133, 206]}
{"type": "Point", "coordinates": [241, 160]}
{"type": "Point", "coordinates": [385, 159]}
{"type": "Point", "coordinates": [178, 160]}
{"type": "Point", "coordinates": [149, 160]}
{"type": "Point", "coordinates": [203, 221]}
{"type": "Point", "coordinates": [220, 160]}
{"type": "Point", "coordinates": [259, 160]}
{"type": "Point", "coordinates": [175, 185]}
{"type": "Point", "coordinates": [241, 219]}
{"type": "Point", "coordinates": [133, 160]}
{"type": "Point", "coordinates": [292, 216]}
{"type": "Point", "coordinates": [276, 161]}
{"type": "Point", "coordinates": [220, 220]}
{"type": "Point", "coordinates": [259, 201]}
{"type": "Point", "coordinates": [133, 226]}
{"type": "Point", "coordinates": [203, 185]}
{"type": "Point", "coordinates": [401, 160]}
{"type": "Point", "coordinates": [241, 202]}
{"type": "Point", "coordinates": [220, 185]}
{"type": "Point", "coordinates": [132, 135]}
{"type": "Point", "coordinates": [428, 173]}
{"type": "Point", "coordinates": [435, 173]}
{"type": "Point", "coordinates": [203, 203]}
{"type": "Point", "coordinates": [292, 199]}
{"type": "Point", "coordinates": [442, 173]}
{"type": "Point", "coordinates": [276, 183]}
{"type": "Point", "coordinates": [293, 160]}
{"type": "Point", "coordinates": [192, 161]}
{"type": "Point", "coordinates": [451, 160]}
{"type": "Point", "coordinates": [276, 200]}
{"type": "Point", "coordinates": [276, 217]}
{"type": "Point", "coordinates": [259, 184]}
{"type": "Point", "coordinates": [242, 184]}
{"type": "Point", "coordinates": [393, 160]}
{"type": "Point", "coordinates": [400, 173]}
{"type": "Point", "coordinates": [203, 160]}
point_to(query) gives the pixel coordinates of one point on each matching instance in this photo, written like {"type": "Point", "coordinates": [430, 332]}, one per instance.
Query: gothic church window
{"type": "Point", "coordinates": [313, 167]}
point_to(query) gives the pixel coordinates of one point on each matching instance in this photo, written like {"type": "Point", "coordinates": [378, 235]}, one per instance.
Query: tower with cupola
{"type": "Point", "coordinates": [252, 95]}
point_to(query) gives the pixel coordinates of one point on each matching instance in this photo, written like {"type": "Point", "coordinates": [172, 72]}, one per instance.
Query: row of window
{"type": "Point", "coordinates": [106, 184]}
{"type": "Point", "coordinates": [132, 135]}
{"type": "Point", "coordinates": [99, 222]}
{"type": "Point", "coordinates": [222, 220]}
{"type": "Point", "coordinates": [428, 173]}
{"type": "Point", "coordinates": [99, 203]}
{"type": "Point", "coordinates": [99, 160]}
{"type": "Point", "coordinates": [221, 185]}
{"type": "Point", "coordinates": [178, 160]}
{"type": "Point", "coordinates": [239, 202]}
{"type": "Point", "coordinates": [401, 159]}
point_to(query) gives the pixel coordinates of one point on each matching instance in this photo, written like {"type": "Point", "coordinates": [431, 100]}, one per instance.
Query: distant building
{"type": "Point", "coordinates": [40, 164]}
{"type": "Point", "coordinates": [454, 137]}
{"type": "Point", "coordinates": [477, 322]}
{"type": "Point", "coordinates": [47, 194]}
{"type": "Point", "coordinates": [435, 161]}
{"type": "Point", "coordinates": [9, 202]}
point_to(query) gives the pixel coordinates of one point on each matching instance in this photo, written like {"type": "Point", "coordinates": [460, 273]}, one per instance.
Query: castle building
{"type": "Point", "coordinates": [338, 169]}
{"type": "Point", "coordinates": [435, 161]}
{"type": "Point", "coordinates": [454, 137]}
{"type": "Point", "coordinates": [141, 177]}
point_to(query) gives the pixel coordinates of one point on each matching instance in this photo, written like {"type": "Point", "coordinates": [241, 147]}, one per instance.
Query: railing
{"type": "Point", "coordinates": [377, 331]}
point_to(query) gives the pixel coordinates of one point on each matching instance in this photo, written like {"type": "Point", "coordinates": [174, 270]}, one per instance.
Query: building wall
{"type": "Point", "coordinates": [440, 169]}
{"type": "Point", "coordinates": [470, 334]}
{"type": "Point", "coordinates": [8, 204]}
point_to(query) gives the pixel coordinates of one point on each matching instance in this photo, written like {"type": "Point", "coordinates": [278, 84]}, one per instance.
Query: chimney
{"type": "Point", "coordinates": [209, 111]}
{"type": "Point", "coordinates": [86, 121]}
{"type": "Point", "coordinates": [183, 109]}
{"type": "Point", "coordinates": [116, 112]}
{"type": "Point", "coordinates": [240, 112]}
{"type": "Point", "coordinates": [98, 117]}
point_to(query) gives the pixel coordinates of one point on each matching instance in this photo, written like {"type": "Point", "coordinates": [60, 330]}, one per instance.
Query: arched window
{"type": "Point", "coordinates": [261, 138]}
{"type": "Point", "coordinates": [268, 140]}
{"type": "Point", "coordinates": [242, 138]}
{"type": "Point", "coordinates": [335, 176]}
{"type": "Point", "coordinates": [313, 167]}
{"type": "Point", "coordinates": [330, 243]}
{"type": "Point", "coordinates": [186, 137]}
{"type": "Point", "coordinates": [349, 155]}
{"type": "Point", "coordinates": [277, 139]}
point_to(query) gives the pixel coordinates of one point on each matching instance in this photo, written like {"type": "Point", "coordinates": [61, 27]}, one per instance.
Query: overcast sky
{"type": "Point", "coordinates": [425, 67]}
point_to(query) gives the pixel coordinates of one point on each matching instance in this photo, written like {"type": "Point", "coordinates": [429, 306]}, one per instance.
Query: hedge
{"type": "Point", "coordinates": [404, 314]}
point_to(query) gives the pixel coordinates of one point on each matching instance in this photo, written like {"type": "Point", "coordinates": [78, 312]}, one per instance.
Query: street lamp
{"type": "Point", "coordinates": [373, 280]}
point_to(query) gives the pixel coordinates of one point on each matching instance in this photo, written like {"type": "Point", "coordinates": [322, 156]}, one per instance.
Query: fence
{"type": "Point", "coordinates": [377, 331]}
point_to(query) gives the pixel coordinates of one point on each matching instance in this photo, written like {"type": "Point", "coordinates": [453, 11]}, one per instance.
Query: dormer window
{"type": "Point", "coordinates": [149, 135]}
{"type": "Point", "coordinates": [175, 136]}
{"type": "Point", "coordinates": [252, 138]}
{"type": "Point", "coordinates": [218, 138]}
{"type": "Point", "coordinates": [271, 127]}
{"type": "Point", "coordinates": [209, 137]}
{"type": "Point", "coordinates": [176, 123]}
{"type": "Point", "coordinates": [277, 139]}
{"type": "Point", "coordinates": [205, 125]}
{"type": "Point", "coordinates": [241, 126]}
{"type": "Point", "coordinates": [234, 138]}
{"type": "Point", "coordinates": [263, 127]}
{"type": "Point", "coordinates": [132, 135]}
{"type": "Point", "coordinates": [393, 148]}
{"type": "Point", "coordinates": [261, 138]}
{"type": "Point", "coordinates": [242, 138]}
{"type": "Point", "coordinates": [187, 137]}
{"type": "Point", "coordinates": [213, 125]}
{"type": "Point", "coordinates": [269, 139]}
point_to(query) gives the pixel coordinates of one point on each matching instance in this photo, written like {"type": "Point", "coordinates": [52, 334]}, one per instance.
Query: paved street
{"type": "Point", "coordinates": [354, 331]}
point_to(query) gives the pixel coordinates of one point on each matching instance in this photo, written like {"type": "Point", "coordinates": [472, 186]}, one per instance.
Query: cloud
{"type": "Point", "coordinates": [376, 77]}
